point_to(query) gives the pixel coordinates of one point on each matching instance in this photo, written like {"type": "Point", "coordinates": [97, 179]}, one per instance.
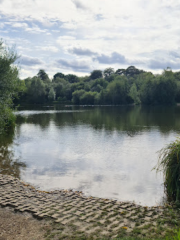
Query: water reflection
{"type": "Point", "coordinates": [8, 164]}
{"type": "Point", "coordinates": [103, 151]}
{"type": "Point", "coordinates": [130, 119]}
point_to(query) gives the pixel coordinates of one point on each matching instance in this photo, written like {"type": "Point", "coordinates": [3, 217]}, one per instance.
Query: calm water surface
{"type": "Point", "coordinates": [107, 152]}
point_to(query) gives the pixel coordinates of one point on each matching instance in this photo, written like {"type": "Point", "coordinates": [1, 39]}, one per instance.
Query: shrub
{"type": "Point", "coordinates": [169, 163]}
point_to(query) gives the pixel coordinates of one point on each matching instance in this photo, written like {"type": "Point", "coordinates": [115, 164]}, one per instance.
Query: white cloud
{"type": "Point", "coordinates": [48, 48]}
{"type": "Point", "coordinates": [30, 61]}
{"type": "Point", "coordinates": [18, 24]}
{"type": "Point", "coordinates": [75, 65]}
{"type": "Point", "coordinates": [135, 29]}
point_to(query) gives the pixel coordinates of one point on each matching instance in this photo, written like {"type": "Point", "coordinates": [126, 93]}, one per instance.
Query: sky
{"type": "Point", "coordinates": [79, 36]}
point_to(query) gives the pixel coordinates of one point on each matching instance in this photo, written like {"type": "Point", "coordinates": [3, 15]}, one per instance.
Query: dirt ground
{"type": "Point", "coordinates": [20, 226]}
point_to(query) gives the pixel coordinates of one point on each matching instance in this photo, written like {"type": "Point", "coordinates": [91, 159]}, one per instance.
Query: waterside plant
{"type": "Point", "coordinates": [169, 163]}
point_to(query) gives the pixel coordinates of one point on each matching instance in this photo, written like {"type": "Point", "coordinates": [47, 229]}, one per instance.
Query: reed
{"type": "Point", "coordinates": [169, 163]}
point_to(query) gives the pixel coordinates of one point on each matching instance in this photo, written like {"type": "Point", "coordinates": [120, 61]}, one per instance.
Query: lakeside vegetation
{"type": "Point", "coordinates": [169, 163]}
{"type": "Point", "coordinates": [123, 86]}
{"type": "Point", "coordinates": [10, 85]}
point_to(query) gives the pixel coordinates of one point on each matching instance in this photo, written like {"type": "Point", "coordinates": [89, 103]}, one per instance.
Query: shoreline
{"type": "Point", "coordinates": [90, 215]}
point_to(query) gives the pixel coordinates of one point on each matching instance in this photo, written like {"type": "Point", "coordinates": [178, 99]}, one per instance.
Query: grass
{"type": "Point", "coordinates": [169, 163]}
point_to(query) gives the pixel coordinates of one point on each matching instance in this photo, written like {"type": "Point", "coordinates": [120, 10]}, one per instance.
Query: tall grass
{"type": "Point", "coordinates": [169, 163]}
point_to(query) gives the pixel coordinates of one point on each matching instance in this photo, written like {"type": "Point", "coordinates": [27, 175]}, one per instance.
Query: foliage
{"type": "Point", "coordinates": [43, 75]}
{"type": "Point", "coordinates": [36, 91]}
{"type": "Point", "coordinates": [169, 163]}
{"type": "Point", "coordinates": [71, 78]}
{"type": "Point", "coordinates": [52, 95]}
{"type": "Point", "coordinates": [58, 75]}
{"type": "Point", "coordinates": [96, 74]}
{"type": "Point", "coordinates": [123, 86]}
{"type": "Point", "coordinates": [9, 86]}
{"type": "Point", "coordinates": [117, 92]}
{"type": "Point", "coordinates": [108, 72]}
{"type": "Point", "coordinates": [133, 93]}
{"type": "Point", "coordinates": [77, 96]}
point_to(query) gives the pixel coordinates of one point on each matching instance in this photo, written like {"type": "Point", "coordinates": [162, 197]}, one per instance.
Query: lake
{"type": "Point", "coordinates": [108, 152]}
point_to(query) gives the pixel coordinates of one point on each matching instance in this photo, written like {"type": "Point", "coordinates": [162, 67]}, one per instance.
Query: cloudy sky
{"type": "Point", "coordinates": [78, 36]}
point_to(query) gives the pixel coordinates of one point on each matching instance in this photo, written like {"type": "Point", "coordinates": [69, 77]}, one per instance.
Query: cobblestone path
{"type": "Point", "coordinates": [88, 214]}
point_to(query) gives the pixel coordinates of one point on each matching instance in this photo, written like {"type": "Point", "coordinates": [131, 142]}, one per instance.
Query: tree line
{"type": "Point", "coordinates": [123, 86]}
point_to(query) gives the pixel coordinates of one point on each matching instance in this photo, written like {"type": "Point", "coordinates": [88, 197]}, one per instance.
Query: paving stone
{"type": "Point", "coordinates": [106, 233]}
{"type": "Point", "coordinates": [147, 219]}
{"type": "Point", "coordinates": [78, 213]}
{"type": "Point", "coordinates": [59, 220]}
{"type": "Point", "coordinates": [55, 216]}
{"type": "Point", "coordinates": [82, 218]}
{"type": "Point", "coordinates": [92, 230]}
{"type": "Point", "coordinates": [67, 206]}
{"type": "Point", "coordinates": [78, 224]}
{"type": "Point", "coordinates": [66, 221]}
{"type": "Point", "coordinates": [90, 219]}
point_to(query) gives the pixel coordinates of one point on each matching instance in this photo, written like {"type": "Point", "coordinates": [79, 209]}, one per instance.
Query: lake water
{"type": "Point", "coordinates": [107, 152]}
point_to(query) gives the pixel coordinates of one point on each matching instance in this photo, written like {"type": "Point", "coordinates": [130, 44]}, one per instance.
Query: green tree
{"type": "Point", "coordinates": [36, 91]}
{"type": "Point", "coordinates": [108, 72]}
{"type": "Point", "coordinates": [51, 95]}
{"type": "Point", "coordinates": [58, 75]}
{"type": "Point", "coordinates": [133, 93]}
{"type": "Point", "coordinates": [88, 98]}
{"type": "Point", "coordinates": [165, 90]}
{"type": "Point", "coordinates": [120, 71]}
{"type": "Point", "coordinates": [71, 78]}
{"type": "Point", "coordinates": [77, 95]}
{"type": "Point", "coordinates": [8, 86]}
{"type": "Point", "coordinates": [43, 76]}
{"type": "Point", "coordinates": [147, 91]}
{"type": "Point", "coordinates": [132, 71]}
{"type": "Point", "coordinates": [117, 92]}
{"type": "Point", "coordinates": [96, 74]}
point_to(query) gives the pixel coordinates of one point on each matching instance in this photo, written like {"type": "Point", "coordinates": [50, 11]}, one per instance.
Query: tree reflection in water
{"type": "Point", "coordinates": [8, 164]}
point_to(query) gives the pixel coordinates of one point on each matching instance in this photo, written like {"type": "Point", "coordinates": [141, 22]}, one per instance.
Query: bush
{"type": "Point", "coordinates": [169, 163]}
{"type": "Point", "coordinates": [9, 83]}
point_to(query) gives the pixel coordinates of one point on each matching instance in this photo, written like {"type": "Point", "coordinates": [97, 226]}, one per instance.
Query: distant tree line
{"type": "Point", "coordinates": [123, 86]}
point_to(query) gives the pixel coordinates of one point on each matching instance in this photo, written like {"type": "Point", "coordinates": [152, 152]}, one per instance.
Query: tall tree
{"type": "Point", "coordinates": [72, 78]}
{"type": "Point", "coordinates": [36, 91]}
{"type": "Point", "coordinates": [43, 76]}
{"type": "Point", "coordinates": [58, 75]}
{"type": "Point", "coordinates": [108, 72]}
{"type": "Point", "coordinates": [8, 85]}
{"type": "Point", "coordinates": [96, 74]}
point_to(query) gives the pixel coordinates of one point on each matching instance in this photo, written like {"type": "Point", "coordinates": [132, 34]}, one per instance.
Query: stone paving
{"type": "Point", "coordinates": [87, 214]}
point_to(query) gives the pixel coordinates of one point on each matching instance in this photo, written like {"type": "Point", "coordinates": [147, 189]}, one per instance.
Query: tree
{"type": "Point", "coordinates": [96, 74]}
{"type": "Point", "coordinates": [43, 76]}
{"type": "Point", "coordinates": [108, 72]}
{"type": "Point", "coordinates": [8, 86]}
{"type": "Point", "coordinates": [88, 98]}
{"type": "Point", "coordinates": [131, 71]}
{"type": "Point", "coordinates": [120, 71]}
{"type": "Point", "coordinates": [36, 91]}
{"type": "Point", "coordinates": [58, 75]}
{"type": "Point", "coordinates": [133, 93]}
{"type": "Point", "coordinates": [51, 95]}
{"type": "Point", "coordinates": [165, 90]}
{"type": "Point", "coordinates": [117, 92]}
{"type": "Point", "coordinates": [77, 95]}
{"type": "Point", "coordinates": [147, 91]}
{"type": "Point", "coordinates": [71, 78]}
